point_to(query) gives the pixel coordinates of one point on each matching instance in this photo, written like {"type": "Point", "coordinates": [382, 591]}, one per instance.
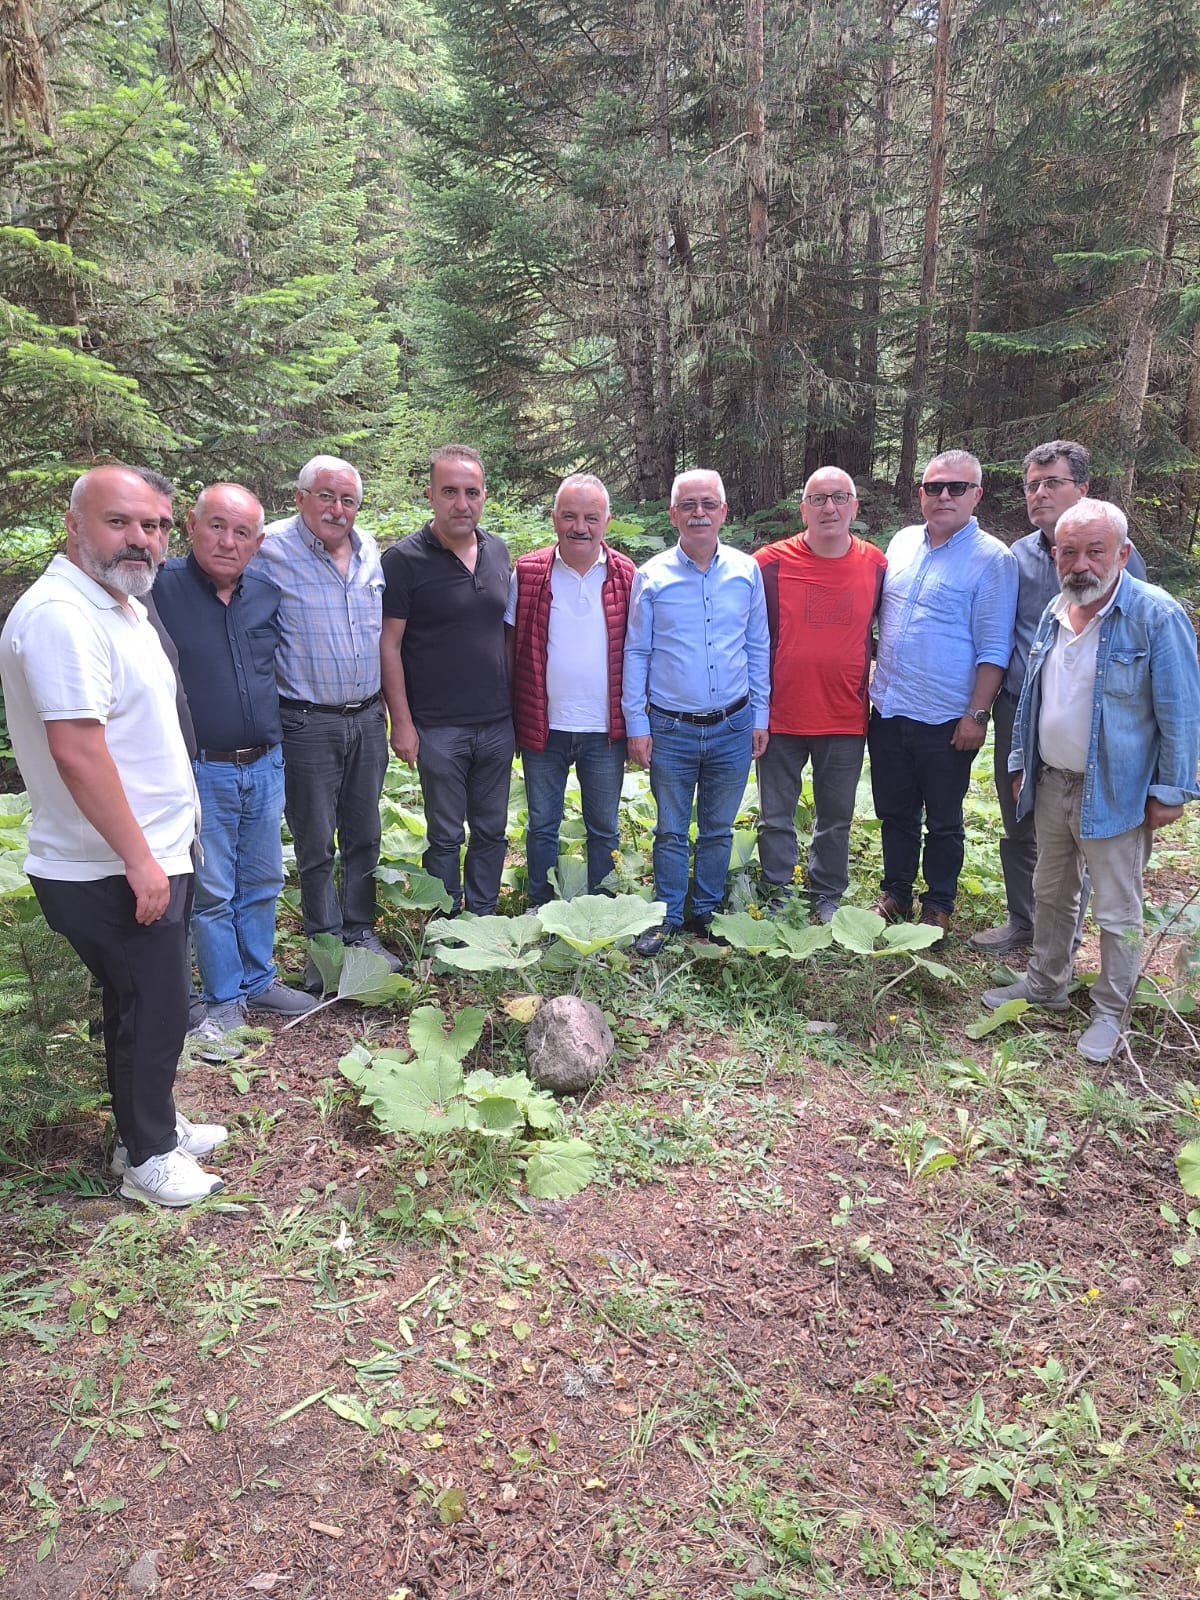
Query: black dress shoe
{"type": "Point", "coordinates": [651, 942]}
{"type": "Point", "coordinates": [702, 928]}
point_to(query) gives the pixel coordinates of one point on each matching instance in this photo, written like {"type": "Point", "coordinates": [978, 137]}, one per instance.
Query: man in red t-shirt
{"type": "Point", "coordinates": [823, 588]}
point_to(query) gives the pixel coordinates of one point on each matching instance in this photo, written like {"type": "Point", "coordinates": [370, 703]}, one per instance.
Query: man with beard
{"type": "Point", "coordinates": [90, 699]}
{"type": "Point", "coordinates": [697, 684]}
{"type": "Point", "coordinates": [1104, 751]}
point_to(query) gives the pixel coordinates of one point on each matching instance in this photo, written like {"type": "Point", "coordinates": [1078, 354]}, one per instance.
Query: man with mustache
{"type": "Point", "coordinates": [445, 678]}
{"type": "Point", "coordinates": [90, 699]}
{"type": "Point", "coordinates": [567, 609]}
{"type": "Point", "coordinates": [224, 623]}
{"type": "Point", "coordinates": [697, 683]}
{"type": "Point", "coordinates": [1104, 751]}
{"type": "Point", "coordinates": [334, 728]}
{"type": "Point", "coordinates": [823, 588]}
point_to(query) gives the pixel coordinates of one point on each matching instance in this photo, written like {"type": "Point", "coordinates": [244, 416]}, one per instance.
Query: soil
{"type": "Point", "coordinates": [688, 1385]}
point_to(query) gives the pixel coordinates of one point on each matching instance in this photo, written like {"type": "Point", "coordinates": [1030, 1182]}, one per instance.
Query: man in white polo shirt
{"type": "Point", "coordinates": [90, 700]}
{"type": "Point", "coordinates": [567, 609]}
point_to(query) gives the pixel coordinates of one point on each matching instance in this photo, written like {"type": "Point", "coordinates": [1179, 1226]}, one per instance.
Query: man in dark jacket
{"type": "Point", "coordinates": [567, 609]}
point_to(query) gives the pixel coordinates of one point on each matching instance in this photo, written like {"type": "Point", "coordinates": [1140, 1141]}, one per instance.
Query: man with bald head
{"type": "Point", "coordinates": [822, 590]}
{"type": "Point", "coordinates": [567, 609]}
{"type": "Point", "coordinates": [224, 622]}
{"type": "Point", "coordinates": [334, 728]}
{"type": "Point", "coordinates": [695, 694]}
{"type": "Point", "coordinates": [90, 700]}
{"type": "Point", "coordinates": [1104, 751]}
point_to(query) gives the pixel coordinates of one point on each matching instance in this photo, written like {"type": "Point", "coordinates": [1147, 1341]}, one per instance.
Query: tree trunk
{"type": "Point", "coordinates": [911, 422]}
{"type": "Point", "coordinates": [868, 355]}
{"type": "Point", "coordinates": [981, 227]}
{"type": "Point", "coordinates": [763, 483]}
{"type": "Point", "coordinates": [1155, 209]}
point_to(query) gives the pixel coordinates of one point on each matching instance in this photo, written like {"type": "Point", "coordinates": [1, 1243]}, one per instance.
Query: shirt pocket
{"type": "Point", "coordinates": [1125, 675]}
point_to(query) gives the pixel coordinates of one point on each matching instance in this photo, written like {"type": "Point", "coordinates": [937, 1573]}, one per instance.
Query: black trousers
{"type": "Point", "coordinates": [144, 979]}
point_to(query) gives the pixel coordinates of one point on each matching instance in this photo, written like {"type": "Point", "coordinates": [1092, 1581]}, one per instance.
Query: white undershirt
{"type": "Point", "coordinates": [1069, 690]}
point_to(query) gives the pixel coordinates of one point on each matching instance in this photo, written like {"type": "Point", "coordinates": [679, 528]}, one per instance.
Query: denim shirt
{"type": "Point", "coordinates": [1144, 740]}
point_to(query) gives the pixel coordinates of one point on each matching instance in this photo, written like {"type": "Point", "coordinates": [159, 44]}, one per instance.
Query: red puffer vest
{"type": "Point", "coordinates": [532, 636]}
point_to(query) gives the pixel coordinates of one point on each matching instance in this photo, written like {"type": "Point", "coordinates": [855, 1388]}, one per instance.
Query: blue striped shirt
{"type": "Point", "coordinates": [946, 610]}
{"type": "Point", "coordinates": [329, 625]}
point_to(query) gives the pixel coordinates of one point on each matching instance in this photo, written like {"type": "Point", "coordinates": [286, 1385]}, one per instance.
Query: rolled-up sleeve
{"type": "Point", "coordinates": [994, 610]}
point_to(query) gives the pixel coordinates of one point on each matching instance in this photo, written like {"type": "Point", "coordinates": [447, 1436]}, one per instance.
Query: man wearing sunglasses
{"type": "Point", "coordinates": [945, 637]}
{"type": "Point", "coordinates": [1055, 478]}
{"type": "Point", "coordinates": [822, 589]}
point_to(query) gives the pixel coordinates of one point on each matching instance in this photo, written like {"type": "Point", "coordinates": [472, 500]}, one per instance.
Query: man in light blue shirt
{"type": "Point", "coordinates": [695, 697]}
{"type": "Point", "coordinates": [945, 635]}
{"type": "Point", "coordinates": [1104, 751]}
{"type": "Point", "coordinates": [335, 751]}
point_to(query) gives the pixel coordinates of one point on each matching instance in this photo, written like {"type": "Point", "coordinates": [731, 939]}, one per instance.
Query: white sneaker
{"type": "Point", "coordinates": [196, 1139]}
{"type": "Point", "coordinates": [170, 1180]}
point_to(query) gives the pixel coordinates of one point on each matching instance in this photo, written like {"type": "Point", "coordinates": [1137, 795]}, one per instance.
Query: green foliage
{"type": "Point", "coordinates": [424, 1091]}
{"type": "Point", "coordinates": [352, 973]}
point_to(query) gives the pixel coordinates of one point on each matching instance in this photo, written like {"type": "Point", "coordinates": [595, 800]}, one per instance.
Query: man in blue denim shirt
{"type": "Point", "coordinates": [1105, 750]}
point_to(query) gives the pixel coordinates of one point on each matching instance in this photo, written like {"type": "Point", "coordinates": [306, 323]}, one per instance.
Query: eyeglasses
{"type": "Point", "coordinates": [707, 504]}
{"type": "Point", "coordinates": [840, 497]}
{"type": "Point", "coordinates": [954, 490]}
{"type": "Point", "coordinates": [1035, 484]}
{"type": "Point", "coordinates": [348, 502]}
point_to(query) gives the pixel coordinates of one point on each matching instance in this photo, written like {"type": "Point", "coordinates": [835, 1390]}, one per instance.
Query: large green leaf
{"type": "Point", "coordinates": [590, 922]}
{"type": "Point", "coordinates": [856, 929]}
{"type": "Point", "coordinates": [486, 944]}
{"type": "Point", "coordinates": [12, 873]}
{"type": "Point", "coordinates": [800, 943]}
{"type": "Point", "coordinates": [428, 1037]}
{"type": "Point", "coordinates": [415, 1097]}
{"type": "Point", "coordinates": [411, 889]}
{"type": "Point", "coordinates": [938, 969]}
{"type": "Point", "coordinates": [1187, 1164]}
{"type": "Point", "coordinates": [367, 978]}
{"type": "Point", "coordinates": [908, 936]}
{"type": "Point", "coordinates": [1008, 1012]}
{"type": "Point", "coordinates": [570, 877]}
{"type": "Point", "coordinates": [327, 953]}
{"type": "Point", "coordinates": [537, 1107]}
{"type": "Point", "coordinates": [560, 1167]}
{"type": "Point", "coordinates": [758, 935]}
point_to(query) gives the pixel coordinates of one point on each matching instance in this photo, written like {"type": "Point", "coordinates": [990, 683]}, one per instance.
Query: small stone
{"type": "Point", "coordinates": [568, 1044]}
{"type": "Point", "coordinates": [1130, 1288]}
{"type": "Point", "coordinates": [820, 1027]}
{"type": "Point", "coordinates": [142, 1577]}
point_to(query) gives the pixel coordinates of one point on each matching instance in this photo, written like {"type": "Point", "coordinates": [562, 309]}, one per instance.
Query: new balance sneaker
{"type": "Point", "coordinates": [372, 942]}
{"type": "Point", "coordinates": [280, 1001]}
{"type": "Point", "coordinates": [206, 1042]}
{"type": "Point", "coordinates": [196, 1139]}
{"type": "Point", "coordinates": [170, 1180]}
{"type": "Point", "coordinates": [999, 941]}
{"type": "Point", "coordinates": [229, 1015]}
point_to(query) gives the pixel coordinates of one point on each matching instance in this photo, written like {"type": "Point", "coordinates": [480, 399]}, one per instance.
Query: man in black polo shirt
{"type": "Point", "coordinates": [225, 625]}
{"type": "Point", "coordinates": [445, 677]}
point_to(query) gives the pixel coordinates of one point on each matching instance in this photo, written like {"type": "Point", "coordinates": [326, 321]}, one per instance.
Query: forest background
{"type": "Point", "coordinates": [625, 237]}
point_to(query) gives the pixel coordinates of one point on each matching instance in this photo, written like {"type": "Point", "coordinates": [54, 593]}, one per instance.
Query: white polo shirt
{"type": "Point", "coordinates": [70, 650]}
{"type": "Point", "coordinates": [1069, 689]}
{"type": "Point", "coordinates": [577, 647]}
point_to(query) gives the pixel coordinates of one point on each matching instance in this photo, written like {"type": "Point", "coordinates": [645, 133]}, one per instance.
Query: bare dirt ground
{"type": "Point", "coordinates": [692, 1379]}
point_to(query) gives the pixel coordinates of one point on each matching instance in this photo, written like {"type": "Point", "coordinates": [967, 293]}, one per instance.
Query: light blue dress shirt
{"type": "Point", "coordinates": [696, 641]}
{"type": "Point", "coordinates": [946, 610]}
{"type": "Point", "coordinates": [329, 625]}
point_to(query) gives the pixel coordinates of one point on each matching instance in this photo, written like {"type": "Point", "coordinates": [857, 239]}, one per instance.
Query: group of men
{"type": "Point", "coordinates": [296, 649]}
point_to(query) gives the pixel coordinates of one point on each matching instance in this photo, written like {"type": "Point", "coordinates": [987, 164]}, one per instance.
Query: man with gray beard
{"type": "Point", "coordinates": [90, 699]}
{"type": "Point", "coordinates": [1104, 751]}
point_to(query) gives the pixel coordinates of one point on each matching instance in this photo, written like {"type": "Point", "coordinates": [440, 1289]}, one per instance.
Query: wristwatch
{"type": "Point", "coordinates": [981, 716]}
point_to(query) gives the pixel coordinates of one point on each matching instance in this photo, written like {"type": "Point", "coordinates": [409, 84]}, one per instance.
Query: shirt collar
{"type": "Point", "coordinates": [63, 567]}
{"type": "Point", "coordinates": [199, 574]}
{"type": "Point", "coordinates": [970, 526]}
{"type": "Point", "coordinates": [315, 545]}
{"type": "Point", "coordinates": [685, 560]}
{"type": "Point", "coordinates": [600, 561]}
{"type": "Point", "coordinates": [1060, 605]}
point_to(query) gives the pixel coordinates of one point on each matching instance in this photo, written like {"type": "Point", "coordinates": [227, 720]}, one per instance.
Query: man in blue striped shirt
{"type": "Point", "coordinates": [335, 750]}
{"type": "Point", "coordinates": [945, 636]}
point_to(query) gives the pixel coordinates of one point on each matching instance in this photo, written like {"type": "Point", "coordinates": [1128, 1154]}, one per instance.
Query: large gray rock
{"type": "Point", "coordinates": [568, 1044]}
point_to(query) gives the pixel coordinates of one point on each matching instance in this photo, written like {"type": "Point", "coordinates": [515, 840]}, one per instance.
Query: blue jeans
{"type": "Point", "coordinates": [709, 765]}
{"type": "Point", "coordinates": [333, 772]}
{"type": "Point", "coordinates": [239, 873]}
{"type": "Point", "coordinates": [600, 767]}
{"type": "Point", "coordinates": [916, 772]}
{"type": "Point", "coordinates": [465, 775]}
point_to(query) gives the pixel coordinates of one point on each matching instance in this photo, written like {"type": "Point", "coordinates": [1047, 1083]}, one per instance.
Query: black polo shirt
{"type": "Point", "coordinates": [226, 653]}
{"type": "Point", "coordinates": [455, 666]}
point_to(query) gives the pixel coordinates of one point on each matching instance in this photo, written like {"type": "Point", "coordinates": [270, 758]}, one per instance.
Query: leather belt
{"type": "Point", "coordinates": [702, 719]}
{"type": "Point", "coordinates": [347, 710]}
{"type": "Point", "coordinates": [239, 758]}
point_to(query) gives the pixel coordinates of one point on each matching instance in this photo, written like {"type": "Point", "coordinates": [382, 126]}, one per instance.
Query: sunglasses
{"type": "Point", "coordinates": [954, 490]}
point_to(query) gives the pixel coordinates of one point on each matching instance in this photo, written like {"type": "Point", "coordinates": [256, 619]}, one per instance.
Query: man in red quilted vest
{"type": "Point", "coordinates": [567, 607]}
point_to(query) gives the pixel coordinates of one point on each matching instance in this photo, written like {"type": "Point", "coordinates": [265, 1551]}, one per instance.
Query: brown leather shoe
{"type": "Point", "coordinates": [931, 917]}
{"type": "Point", "coordinates": [890, 909]}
